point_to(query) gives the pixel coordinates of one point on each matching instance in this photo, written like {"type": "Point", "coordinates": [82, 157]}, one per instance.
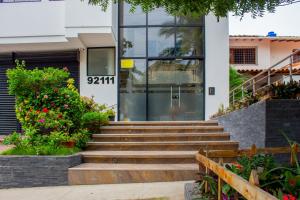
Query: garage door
{"type": "Point", "coordinates": [69, 59]}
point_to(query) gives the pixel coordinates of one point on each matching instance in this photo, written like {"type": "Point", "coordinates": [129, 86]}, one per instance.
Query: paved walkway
{"type": "Point", "coordinates": [136, 191]}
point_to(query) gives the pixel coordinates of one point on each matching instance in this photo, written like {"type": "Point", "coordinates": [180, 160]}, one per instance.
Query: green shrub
{"type": "Point", "coordinates": [81, 138]}
{"type": "Point", "coordinates": [94, 120]}
{"type": "Point", "coordinates": [13, 139]}
{"type": "Point", "coordinates": [41, 150]}
{"type": "Point", "coordinates": [51, 111]}
{"type": "Point", "coordinates": [23, 82]}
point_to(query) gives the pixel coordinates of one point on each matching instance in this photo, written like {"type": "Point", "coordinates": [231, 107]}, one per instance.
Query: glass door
{"type": "Point", "coordinates": [175, 90]}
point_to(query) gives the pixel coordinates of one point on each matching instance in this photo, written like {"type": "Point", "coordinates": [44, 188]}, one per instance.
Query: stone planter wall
{"type": "Point", "coordinates": [32, 171]}
{"type": "Point", "coordinates": [261, 123]}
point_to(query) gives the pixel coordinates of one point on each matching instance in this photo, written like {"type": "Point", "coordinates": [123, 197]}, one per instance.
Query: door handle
{"type": "Point", "coordinates": [171, 97]}
{"type": "Point", "coordinates": [179, 100]}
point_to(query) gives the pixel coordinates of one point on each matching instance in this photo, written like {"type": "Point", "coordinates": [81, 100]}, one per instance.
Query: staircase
{"type": "Point", "coordinates": [132, 152]}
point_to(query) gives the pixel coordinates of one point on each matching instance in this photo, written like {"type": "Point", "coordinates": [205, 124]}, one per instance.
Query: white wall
{"type": "Point", "coordinates": [81, 14]}
{"type": "Point", "coordinates": [54, 21]}
{"type": "Point", "coordinates": [103, 94]}
{"type": "Point", "coordinates": [280, 50]}
{"type": "Point", "coordinates": [45, 18]}
{"type": "Point", "coordinates": [216, 63]}
{"type": "Point", "coordinates": [262, 52]}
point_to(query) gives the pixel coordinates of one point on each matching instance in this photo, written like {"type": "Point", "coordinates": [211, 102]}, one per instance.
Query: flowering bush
{"type": "Point", "coordinates": [49, 108]}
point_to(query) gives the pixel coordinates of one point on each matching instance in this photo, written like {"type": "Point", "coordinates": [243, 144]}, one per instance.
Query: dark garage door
{"type": "Point", "coordinates": [69, 59]}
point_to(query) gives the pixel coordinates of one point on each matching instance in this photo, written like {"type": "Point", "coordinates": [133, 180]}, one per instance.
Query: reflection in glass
{"type": "Point", "coordinates": [138, 17]}
{"type": "Point", "coordinates": [133, 92]}
{"type": "Point", "coordinates": [189, 20]}
{"type": "Point", "coordinates": [161, 41]}
{"type": "Point", "coordinates": [160, 17]}
{"type": "Point", "coordinates": [133, 42]}
{"type": "Point", "coordinates": [175, 90]}
{"type": "Point", "coordinates": [189, 41]}
{"type": "Point", "coordinates": [101, 62]}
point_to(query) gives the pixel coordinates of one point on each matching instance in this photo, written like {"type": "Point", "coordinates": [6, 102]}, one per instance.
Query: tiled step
{"type": "Point", "coordinates": [161, 129]}
{"type": "Point", "coordinates": [165, 123]}
{"type": "Point", "coordinates": [144, 137]}
{"type": "Point", "coordinates": [162, 146]}
{"type": "Point", "coordinates": [90, 173]}
{"type": "Point", "coordinates": [139, 157]}
{"type": "Point", "coordinates": [142, 157]}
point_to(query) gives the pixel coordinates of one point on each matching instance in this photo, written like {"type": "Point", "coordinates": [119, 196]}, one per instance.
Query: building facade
{"type": "Point", "coordinates": [148, 66]}
{"type": "Point", "coordinates": [252, 54]}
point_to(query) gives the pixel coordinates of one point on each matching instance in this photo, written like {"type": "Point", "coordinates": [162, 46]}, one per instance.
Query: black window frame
{"type": "Point", "coordinates": [147, 58]}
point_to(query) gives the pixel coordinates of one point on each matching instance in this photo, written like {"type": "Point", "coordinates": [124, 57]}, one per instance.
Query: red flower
{"type": "Point", "coordinates": [45, 110]}
{"type": "Point", "coordinates": [59, 116]}
{"type": "Point", "coordinates": [289, 197]}
{"type": "Point", "coordinates": [237, 165]}
{"type": "Point", "coordinates": [292, 182]}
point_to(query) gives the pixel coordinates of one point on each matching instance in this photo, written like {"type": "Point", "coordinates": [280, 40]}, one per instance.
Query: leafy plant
{"type": "Point", "coordinates": [94, 120]}
{"type": "Point", "coordinates": [50, 110]}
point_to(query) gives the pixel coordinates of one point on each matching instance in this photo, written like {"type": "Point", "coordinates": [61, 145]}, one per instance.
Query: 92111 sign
{"type": "Point", "coordinates": [101, 80]}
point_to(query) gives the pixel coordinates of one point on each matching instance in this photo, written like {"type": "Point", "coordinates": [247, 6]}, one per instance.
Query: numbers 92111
{"type": "Point", "coordinates": [104, 80]}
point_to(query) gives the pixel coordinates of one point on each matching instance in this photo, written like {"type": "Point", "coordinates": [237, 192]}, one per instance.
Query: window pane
{"type": "Point", "coordinates": [138, 17]}
{"type": "Point", "coordinates": [160, 17]}
{"type": "Point", "coordinates": [133, 42]}
{"type": "Point", "coordinates": [243, 56]}
{"type": "Point", "coordinates": [133, 92]}
{"type": "Point", "coordinates": [189, 41]}
{"type": "Point", "coordinates": [189, 20]}
{"type": "Point", "coordinates": [101, 62]}
{"type": "Point", "coordinates": [161, 41]}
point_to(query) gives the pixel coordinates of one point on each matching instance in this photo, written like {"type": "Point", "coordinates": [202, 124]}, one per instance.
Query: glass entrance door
{"type": "Point", "coordinates": [175, 90]}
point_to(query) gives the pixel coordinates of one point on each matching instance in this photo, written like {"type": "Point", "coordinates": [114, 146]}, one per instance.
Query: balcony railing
{"type": "Point", "coordinates": [289, 66]}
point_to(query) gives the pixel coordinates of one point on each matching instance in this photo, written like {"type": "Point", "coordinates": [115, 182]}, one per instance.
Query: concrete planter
{"type": "Point", "coordinates": [261, 123]}
{"type": "Point", "coordinates": [33, 171]}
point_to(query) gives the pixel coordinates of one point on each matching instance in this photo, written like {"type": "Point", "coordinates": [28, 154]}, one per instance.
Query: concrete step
{"type": "Point", "coordinates": [145, 137]}
{"type": "Point", "coordinates": [161, 129]}
{"type": "Point", "coordinates": [91, 173]}
{"type": "Point", "coordinates": [162, 146]}
{"type": "Point", "coordinates": [165, 123]}
{"type": "Point", "coordinates": [142, 157]}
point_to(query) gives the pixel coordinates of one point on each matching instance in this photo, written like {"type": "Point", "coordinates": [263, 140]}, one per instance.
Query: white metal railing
{"type": "Point", "coordinates": [266, 78]}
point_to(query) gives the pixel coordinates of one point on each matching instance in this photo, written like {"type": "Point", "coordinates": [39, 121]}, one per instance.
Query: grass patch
{"type": "Point", "coordinates": [41, 151]}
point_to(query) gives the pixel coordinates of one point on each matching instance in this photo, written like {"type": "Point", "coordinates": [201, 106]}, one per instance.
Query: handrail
{"type": "Point", "coordinates": [248, 189]}
{"type": "Point", "coordinates": [252, 81]}
{"type": "Point", "coordinates": [242, 186]}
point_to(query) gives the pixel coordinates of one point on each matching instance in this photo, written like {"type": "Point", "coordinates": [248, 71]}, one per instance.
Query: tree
{"type": "Point", "coordinates": [220, 8]}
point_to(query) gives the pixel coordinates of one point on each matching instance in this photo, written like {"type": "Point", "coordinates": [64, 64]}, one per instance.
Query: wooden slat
{"type": "Point", "coordinates": [249, 191]}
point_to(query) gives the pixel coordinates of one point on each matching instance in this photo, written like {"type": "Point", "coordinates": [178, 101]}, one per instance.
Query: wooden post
{"type": "Point", "coordinates": [253, 150]}
{"type": "Point", "coordinates": [220, 183]}
{"type": "Point", "coordinates": [294, 152]}
{"type": "Point", "coordinates": [254, 179]}
{"type": "Point", "coordinates": [206, 172]}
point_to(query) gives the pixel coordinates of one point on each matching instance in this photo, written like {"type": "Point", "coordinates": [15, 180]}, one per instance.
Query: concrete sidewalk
{"type": "Point", "coordinates": [136, 191]}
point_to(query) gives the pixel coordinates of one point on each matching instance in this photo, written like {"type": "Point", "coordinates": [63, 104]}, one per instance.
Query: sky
{"type": "Point", "coordinates": [285, 22]}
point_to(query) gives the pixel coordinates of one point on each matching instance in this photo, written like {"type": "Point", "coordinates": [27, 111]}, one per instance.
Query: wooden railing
{"type": "Point", "coordinates": [248, 189]}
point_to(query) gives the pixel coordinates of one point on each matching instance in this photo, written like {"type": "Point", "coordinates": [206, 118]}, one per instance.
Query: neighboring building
{"type": "Point", "coordinates": [149, 66]}
{"type": "Point", "coordinates": [250, 54]}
